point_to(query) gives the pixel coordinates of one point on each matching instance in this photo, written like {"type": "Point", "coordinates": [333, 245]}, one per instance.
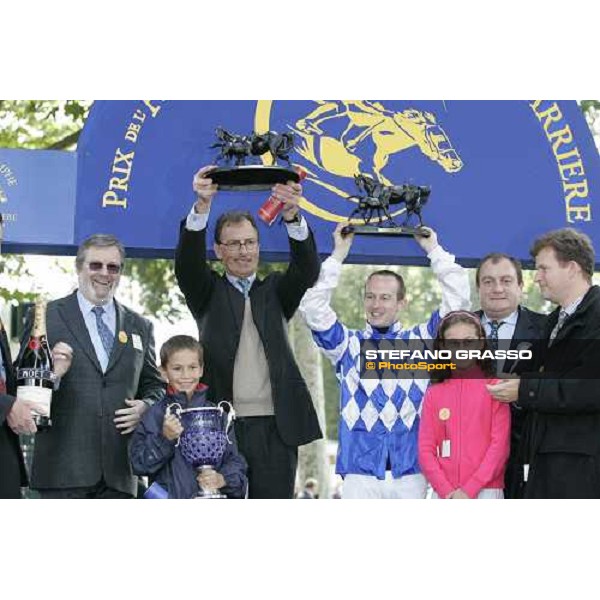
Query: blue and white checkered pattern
{"type": "Point", "coordinates": [379, 417]}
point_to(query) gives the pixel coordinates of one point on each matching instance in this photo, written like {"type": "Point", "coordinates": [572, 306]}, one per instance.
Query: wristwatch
{"type": "Point", "coordinates": [296, 220]}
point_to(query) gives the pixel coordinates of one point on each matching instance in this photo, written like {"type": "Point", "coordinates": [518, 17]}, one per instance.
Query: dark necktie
{"type": "Point", "coordinates": [106, 336]}
{"type": "Point", "coordinates": [562, 317]}
{"type": "Point", "coordinates": [494, 326]}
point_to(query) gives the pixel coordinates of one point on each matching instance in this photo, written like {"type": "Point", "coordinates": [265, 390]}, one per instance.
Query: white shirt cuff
{"type": "Point", "coordinates": [195, 221]}
{"type": "Point", "coordinates": [298, 231]}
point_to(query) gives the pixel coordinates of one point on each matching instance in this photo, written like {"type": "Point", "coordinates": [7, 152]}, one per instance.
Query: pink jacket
{"type": "Point", "coordinates": [461, 410]}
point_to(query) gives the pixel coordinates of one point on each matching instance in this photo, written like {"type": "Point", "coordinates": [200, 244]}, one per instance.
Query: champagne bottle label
{"type": "Point", "coordinates": [36, 374]}
{"type": "Point", "coordinates": [40, 396]}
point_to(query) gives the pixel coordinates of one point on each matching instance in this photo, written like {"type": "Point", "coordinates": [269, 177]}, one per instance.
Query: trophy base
{"type": "Point", "coordinates": [251, 178]}
{"type": "Point", "coordinates": [392, 231]}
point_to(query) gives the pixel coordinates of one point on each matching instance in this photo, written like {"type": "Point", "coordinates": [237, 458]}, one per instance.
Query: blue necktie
{"type": "Point", "coordinates": [245, 285]}
{"type": "Point", "coordinates": [106, 336]}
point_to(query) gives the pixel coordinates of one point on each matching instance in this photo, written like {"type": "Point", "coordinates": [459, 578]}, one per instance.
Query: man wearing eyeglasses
{"type": "Point", "coordinates": [107, 353]}
{"type": "Point", "coordinates": [242, 323]}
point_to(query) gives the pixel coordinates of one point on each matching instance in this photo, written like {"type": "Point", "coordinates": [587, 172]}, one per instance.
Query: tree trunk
{"type": "Point", "coordinates": [312, 458]}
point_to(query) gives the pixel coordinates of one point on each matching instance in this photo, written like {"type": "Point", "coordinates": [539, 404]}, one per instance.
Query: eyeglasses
{"type": "Point", "coordinates": [111, 268]}
{"type": "Point", "coordinates": [236, 245]}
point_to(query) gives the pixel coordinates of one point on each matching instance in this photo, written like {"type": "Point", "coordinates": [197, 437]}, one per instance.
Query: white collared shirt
{"type": "Point", "coordinates": [571, 308]}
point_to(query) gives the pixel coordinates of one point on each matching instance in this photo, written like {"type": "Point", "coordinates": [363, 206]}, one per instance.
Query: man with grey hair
{"type": "Point", "coordinates": [106, 352]}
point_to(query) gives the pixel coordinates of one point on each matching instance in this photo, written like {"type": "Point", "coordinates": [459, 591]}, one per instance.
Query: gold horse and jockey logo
{"type": "Point", "coordinates": [346, 137]}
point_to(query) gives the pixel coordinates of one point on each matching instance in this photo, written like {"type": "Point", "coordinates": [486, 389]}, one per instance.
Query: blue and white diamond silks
{"type": "Point", "coordinates": [351, 413]}
{"type": "Point", "coordinates": [369, 415]}
{"type": "Point", "coordinates": [379, 417]}
{"type": "Point", "coordinates": [389, 415]}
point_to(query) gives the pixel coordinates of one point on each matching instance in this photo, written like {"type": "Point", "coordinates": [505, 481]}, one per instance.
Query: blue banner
{"type": "Point", "coordinates": [37, 200]}
{"type": "Point", "coordinates": [501, 172]}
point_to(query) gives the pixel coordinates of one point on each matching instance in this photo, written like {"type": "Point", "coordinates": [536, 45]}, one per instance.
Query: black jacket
{"type": "Point", "coordinates": [530, 326]}
{"type": "Point", "coordinates": [561, 440]}
{"type": "Point", "coordinates": [12, 467]}
{"type": "Point", "coordinates": [219, 309]}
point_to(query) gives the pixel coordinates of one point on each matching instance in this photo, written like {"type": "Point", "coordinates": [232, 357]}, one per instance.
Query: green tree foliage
{"type": "Point", "coordinates": [36, 124]}
{"type": "Point", "coordinates": [42, 124]}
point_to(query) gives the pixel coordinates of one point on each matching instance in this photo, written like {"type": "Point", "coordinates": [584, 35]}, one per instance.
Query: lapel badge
{"type": "Point", "coordinates": [123, 337]}
{"type": "Point", "coordinates": [444, 414]}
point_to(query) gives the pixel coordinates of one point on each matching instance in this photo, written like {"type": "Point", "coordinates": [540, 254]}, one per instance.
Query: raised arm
{"type": "Point", "coordinates": [194, 276]}
{"type": "Point", "coordinates": [453, 279]}
{"type": "Point", "coordinates": [303, 269]}
{"type": "Point", "coordinates": [329, 334]}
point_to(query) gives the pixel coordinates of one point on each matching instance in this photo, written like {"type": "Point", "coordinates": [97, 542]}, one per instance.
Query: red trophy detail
{"type": "Point", "coordinates": [271, 208]}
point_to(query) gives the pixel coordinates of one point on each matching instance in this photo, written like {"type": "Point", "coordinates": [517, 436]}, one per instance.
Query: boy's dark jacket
{"type": "Point", "coordinates": [153, 455]}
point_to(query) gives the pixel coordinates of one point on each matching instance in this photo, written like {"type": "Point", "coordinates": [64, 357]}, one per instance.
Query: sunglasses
{"type": "Point", "coordinates": [111, 268]}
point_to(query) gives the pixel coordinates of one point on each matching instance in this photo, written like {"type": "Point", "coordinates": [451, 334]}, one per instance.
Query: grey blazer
{"type": "Point", "coordinates": [83, 444]}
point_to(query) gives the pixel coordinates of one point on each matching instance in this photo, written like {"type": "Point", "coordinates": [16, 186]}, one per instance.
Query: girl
{"type": "Point", "coordinates": [464, 436]}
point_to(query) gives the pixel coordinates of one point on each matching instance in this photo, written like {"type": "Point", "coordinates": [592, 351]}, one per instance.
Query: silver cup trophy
{"type": "Point", "coordinates": [205, 437]}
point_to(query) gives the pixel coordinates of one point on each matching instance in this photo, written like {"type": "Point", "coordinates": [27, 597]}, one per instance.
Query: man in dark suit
{"type": "Point", "coordinates": [499, 280]}
{"type": "Point", "coordinates": [111, 381]}
{"type": "Point", "coordinates": [560, 449]}
{"type": "Point", "coordinates": [242, 323]}
{"type": "Point", "coordinates": [15, 418]}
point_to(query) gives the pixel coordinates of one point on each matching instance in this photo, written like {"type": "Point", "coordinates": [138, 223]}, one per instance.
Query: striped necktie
{"type": "Point", "coordinates": [562, 317]}
{"type": "Point", "coordinates": [245, 285]}
{"type": "Point", "coordinates": [106, 336]}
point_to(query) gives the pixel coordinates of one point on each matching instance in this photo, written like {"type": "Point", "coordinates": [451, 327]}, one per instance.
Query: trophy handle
{"type": "Point", "coordinates": [174, 409]}
{"type": "Point", "coordinates": [230, 417]}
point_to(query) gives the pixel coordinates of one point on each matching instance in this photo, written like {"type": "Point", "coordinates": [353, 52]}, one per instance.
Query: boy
{"type": "Point", "coordinates": [153, 448]}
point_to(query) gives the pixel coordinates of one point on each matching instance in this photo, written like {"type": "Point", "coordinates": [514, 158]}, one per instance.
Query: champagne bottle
{"type": "Point", "coordinates": [35, 369]}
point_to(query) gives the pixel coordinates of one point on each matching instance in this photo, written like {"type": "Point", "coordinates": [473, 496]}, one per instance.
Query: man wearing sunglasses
{"type": "Point", "coordinates": [107, 352]}
{"type": "Point", "coordinates": [242, 323]}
